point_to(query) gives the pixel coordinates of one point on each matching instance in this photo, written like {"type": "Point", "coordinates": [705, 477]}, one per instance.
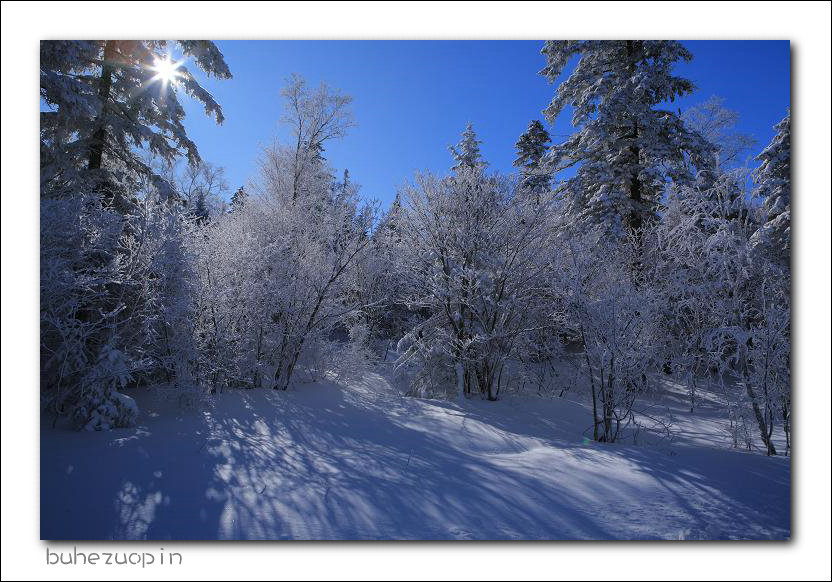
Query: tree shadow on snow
{"type": "Point", "coordinates": [332, 463]}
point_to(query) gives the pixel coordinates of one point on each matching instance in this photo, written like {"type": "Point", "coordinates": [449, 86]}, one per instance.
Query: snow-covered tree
{"type": "Point", "coordinates": [379, 283]}
{"type": "Point", "coordinates": [773, 179]}
{"type": "Point", "coordinates": [473, 250]}
{"type": "Point", "coordinates": [106, 100]}
{"type": "Point", "coordinates": [725, 308]}
{"type": "Point", "coordinates": [115, 304]}
{"type": "Point", "coordinates": [613, 320]}
{"type": "Point", "coordinates": [716, 123]}
{"type": "Point", "coordinates": [683, 283]}
{"type": "Point", "coordinates": [274, 274]}
{"type": "Point", "coordinates": [110, 120]}
{"type": "Point", "coordinates": [274, 283]}
{"type": "Point", "coordinates": [626, 147]}
{"type": "Point", "coordinates": [201, 187]}
{"type": "Point", "coordinates": [78, 320]}
{"type": "Point", "coordinates": [466, 153]}
{"type": "Point", "coordinates": [165, 266]}
{"type": "Point", "coordinates": [769, 358]}
{"type": "Point", "coordinates": [531, 147]}
{"type": "Point", "coordinates": [314, 116]}
{"type": "Point", "coordinates": [239, 198]}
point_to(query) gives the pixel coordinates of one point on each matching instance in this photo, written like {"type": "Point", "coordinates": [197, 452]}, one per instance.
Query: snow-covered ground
{"type": "Point", "coordinates": [362, 462]}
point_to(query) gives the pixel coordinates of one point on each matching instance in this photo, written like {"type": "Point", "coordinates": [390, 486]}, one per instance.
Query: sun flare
{"type": "Point", "coordinates": [167, 71]}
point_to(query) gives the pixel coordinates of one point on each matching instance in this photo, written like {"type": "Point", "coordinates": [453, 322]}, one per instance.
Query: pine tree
{"type": "Point", "coordinates": [106, 101]}
{"type": "Point", "coordinates": [531, 148]}
{"type": "Point", "coordinates": [200, 211]}
{"type": "Point", "coordinates": [342, 188]}
{"type": "Point", "coordinates": [466, 153]}
{"type": "Point", "coordinates": [386, 312]}
{"type": "Point", "coordinates": [625, 148]}
{"type": "Point", "coordinates": [239, 199]}
{"type": "Point", "coordinates": [773, 179]}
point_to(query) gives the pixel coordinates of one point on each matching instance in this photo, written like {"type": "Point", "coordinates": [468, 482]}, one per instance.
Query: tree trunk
{"type": "Point", "coordinates": [99, 136]}
{"type": "Point", "coordinates": [787, 423]}
{"type": "Point", "coordinates": [635, 219]}
{"type": "Point", "coordinates": [109, 195]}
{"type": "Point", "coordinates": [761, 421]}
{"type": "Point", "coordinates": [460, 383]}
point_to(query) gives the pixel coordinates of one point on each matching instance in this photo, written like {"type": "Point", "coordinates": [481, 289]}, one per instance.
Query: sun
{"type": "Point", "coordinates": [167, 71]}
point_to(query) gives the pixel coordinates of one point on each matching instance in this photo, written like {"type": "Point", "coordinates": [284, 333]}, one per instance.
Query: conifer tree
{"type": "Point", "coordinates": [239, 199]}
{"type": "Point", "coordinates": [106, 100]}
{"type": "Point", "coordinates": [625, 148]}
{"type": "Point", "coordinates": [466, 153]}
{"type": "Point", "coordinates": [531, 147]}
{"type": "Point", "coordinates": [773, 179]}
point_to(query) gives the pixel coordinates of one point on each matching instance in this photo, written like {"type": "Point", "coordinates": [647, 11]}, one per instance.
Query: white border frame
{"type": "Point", "coordinates": [807, 25]}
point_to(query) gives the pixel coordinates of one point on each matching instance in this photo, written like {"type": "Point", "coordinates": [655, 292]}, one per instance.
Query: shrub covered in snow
{"type": "Point", "coordinates": [101, 406]}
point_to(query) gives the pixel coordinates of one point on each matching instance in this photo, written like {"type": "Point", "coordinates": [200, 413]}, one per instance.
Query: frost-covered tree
{"type": "Point", "coordinates": [160, 250]}
{"type": "Point", "coordinates": [314, 117]}
{"type": "Point", "coordinates": [466, 153]}
{"type": "Point", "coordinates": [626, 147]}
{"type": "Point", "coordinates": [110, 119]}
{"type": "Point", "coordinates": [725, 308]}
{"type": "Point", "coordinates": [115, 305]}
{"type": "Point", "coordinates": [378, 281]}
{"type": "Point", "coordinates": [473, 251]}
{"type": "Point", "coordinates": [105, 101]}
{"type": "Point", "coordinates": [683, 283]}
{"type": "Point", "coordinates": [769, 356]}
{"type": "Point", "coordinates": [274, 282]}
{"type": "Point", "coordinates": [531, 147]}
{"type": "Point", "coordinates": [696, 219]}
{"type": "Point", "coordinates": [274, 275]}
{"type": "Point", "coordinates": [77, 332]}
{"type": "Point", "coordinates": [716, 123]}
{"type": "Point", "coordinates": [773, 180]}
{"type": "Point", "coordinates": [613, 320]}
{"type": "Point", "coordinates": [239, 198]}
{"type": "Point", "coordinates": [201, 188]}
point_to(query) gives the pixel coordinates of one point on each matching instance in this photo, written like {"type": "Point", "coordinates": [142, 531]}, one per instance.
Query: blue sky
{"type": "Point", "coordinates": [413, 98]}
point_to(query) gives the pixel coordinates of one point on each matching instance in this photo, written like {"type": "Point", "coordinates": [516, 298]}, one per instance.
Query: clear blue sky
{"type": "Point", "coordinates": [413, 98]}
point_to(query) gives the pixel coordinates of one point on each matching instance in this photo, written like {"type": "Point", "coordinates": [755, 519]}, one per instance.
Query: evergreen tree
{"type": "Point", "coordinates": [773, 179]}
{"type": "Point", "coordinates": [106, 101]}
{"type": "Point", "coordinates": [625, 148]}
{"type": "Point", "coordinates": [342, 188]}
{"type": "Point", "coordinates": [200, 211]}
{"type": "Point", "coordinates": [239, 199]}
{"type": "Point", "coordinates": [531, 148]}
{"type": "Point", "coordinates": [467, 152]}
